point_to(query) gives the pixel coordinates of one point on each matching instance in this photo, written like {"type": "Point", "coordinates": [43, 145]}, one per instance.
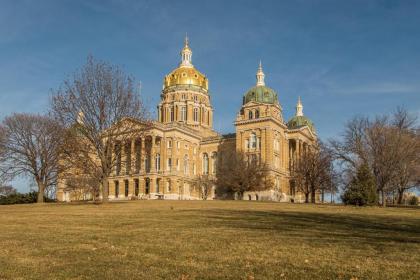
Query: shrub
{"type": "Point", "coordinates": [21, 198]}
{"type": "Point", "coordinates": [413, 200]}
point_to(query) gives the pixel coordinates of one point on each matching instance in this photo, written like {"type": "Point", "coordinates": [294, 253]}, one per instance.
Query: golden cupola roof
{"type": "Point", "coordinates": [186, 74]}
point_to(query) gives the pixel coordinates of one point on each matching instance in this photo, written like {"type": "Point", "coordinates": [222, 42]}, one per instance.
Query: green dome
{"type": "Point", "coordinates": [300, 121]}
{"type": "Point", "coordinates": [261, 94]}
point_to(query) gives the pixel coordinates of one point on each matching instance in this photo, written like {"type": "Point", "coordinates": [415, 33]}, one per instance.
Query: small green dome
{"type": "Point", "coordinates": [261, 94]}
{"type": "Point", "coordinates": [300, 121]}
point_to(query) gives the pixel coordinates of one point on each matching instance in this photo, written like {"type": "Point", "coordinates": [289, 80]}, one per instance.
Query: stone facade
{"type": "Point", "coordinates": [164, 161]}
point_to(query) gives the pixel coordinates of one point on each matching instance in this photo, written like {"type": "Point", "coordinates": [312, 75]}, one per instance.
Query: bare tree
{"type": "Point", "coordinates": [313, 172]}
{"type": "Point", "coordinates": [386, 144]}
{"type": "Point", "coordinates": [239, 173]}
{"type": "Point", "coordinates": [102, 108]}
{"type": "Point", "coordinates": [407, 169]}
{"type": "Point", "coordinates": [30, 146]}
{"type": "Point", "coordinates": [206, 184]}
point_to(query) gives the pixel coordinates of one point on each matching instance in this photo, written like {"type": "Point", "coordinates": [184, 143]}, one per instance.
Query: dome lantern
{"type": "Point", "coordinates": [260, 75]}
{"type": "Point", "coordinates": [186, 55]}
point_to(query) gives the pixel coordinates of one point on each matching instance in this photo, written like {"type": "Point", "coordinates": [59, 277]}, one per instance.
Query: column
{"type": "Point", "coordinates": [153, 155]}
{"type": "Point", "coordinates": [133, 155]}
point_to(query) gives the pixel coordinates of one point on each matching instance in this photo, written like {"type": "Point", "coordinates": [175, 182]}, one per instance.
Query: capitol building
{"type": "Point", "coordinates": [165, 161]}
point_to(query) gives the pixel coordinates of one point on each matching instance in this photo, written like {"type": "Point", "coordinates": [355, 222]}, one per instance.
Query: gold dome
{"type": "Point", "coordinates": [186, 76]}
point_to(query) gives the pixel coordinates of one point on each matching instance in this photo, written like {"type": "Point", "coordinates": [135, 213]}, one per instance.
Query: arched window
{"type": "Point", "coordinates": [196, 114]}
{"type": "Point", "coordinates": [186, 164]}
{"type": "Point", "coordinates": [214, 162]}
{"type": "Point", "coordinates": [172, 114]}
{"type": "Point", "coordinates": [183, 113]}
{"type": "Point", "coordinates": [250, 116]}
{"type": "Point", "coordinates": [205, 164]}
{"type": "Point", "coordinates": [157, 162]}
{"type": "Point", "coordinates": [257, 114]}
{"type": "Point", "coordinates": [253, 141]}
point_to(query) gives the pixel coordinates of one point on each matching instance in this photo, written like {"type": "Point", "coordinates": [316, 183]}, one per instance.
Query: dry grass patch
{"type": "Point", "coordinates": [208, 240]}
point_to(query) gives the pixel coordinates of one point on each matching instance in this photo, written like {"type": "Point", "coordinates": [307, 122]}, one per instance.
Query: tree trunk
{"type": "Point", "coordinates": [383, 198]}
{"type": "Point", "coordinates": [306, 197]}
{"type": "Point", "coordinates": [41, 190]}
{"type": "Point", "coordinates": [400, 196]}
{"type": "Point", "coordinates": [105, 190]}
{"type": "Point", "coordinates": [322, 196]}
{"type": "Point", "coordinates": [313, 197]}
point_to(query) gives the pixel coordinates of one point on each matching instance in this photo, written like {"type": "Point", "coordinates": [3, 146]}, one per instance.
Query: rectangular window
{"type": "Point", "coordinates": [126, 188]}
{"type": "Point", "coordinates": [169, 165]}
{"type": "Point", "coordinates": [117, 189]}
{"type": "Point", "coordinates": [136, 187]}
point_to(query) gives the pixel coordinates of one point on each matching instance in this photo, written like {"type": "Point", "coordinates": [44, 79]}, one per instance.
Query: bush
{"type": "Point", "coordinates": [414, 200]}
{"type": "Point", "coordinates": [21, 198]}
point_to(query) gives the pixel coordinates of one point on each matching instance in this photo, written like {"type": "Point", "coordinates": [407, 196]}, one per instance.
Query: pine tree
{"type": "Point", "coordinates": [361, 190]}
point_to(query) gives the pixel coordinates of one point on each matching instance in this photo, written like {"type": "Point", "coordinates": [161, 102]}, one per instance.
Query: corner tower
{"type": "Point", "coordinates": [185, 96]}
{"type": "Point", "coordinates": [261, 134]}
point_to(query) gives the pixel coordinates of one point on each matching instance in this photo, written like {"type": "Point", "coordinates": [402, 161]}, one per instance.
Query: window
{"type": "Point", "coordinates": [183, 95]}
{"type": "Point", "coordinates": [195, 98]}
{"type": "Point", "coordinates": [253, 141]}
{"type": "Point", "coordinates": [196, 114]}
{"type": "Point", "coordinates": [168, 186]}
{"type": "Point", "coordinates": [169, 164]}
{"type": "Point", "coordinates": [136, 187]}
{"type": "Point", "coordinates": [183, 113]}
{"type": "Point", "coordinates": [117, 189]}
{"type": "Point", "coordinates": [126, 188]}
{"type": "Point", "coordinates": [250, 116]}
{"type": "Point", "coordinates": [205, 164]}
{"type": "Point", "coordinates": [169, 144]}
{"type": "Point", "coordinates": [214, 162]}
{"type": "Point", "coordinates": [172, 114]}
{"type": "Point", "coordinates": [186, 165]}
{"type": "Point", "coordinates": [257, 114]}
{"type": "Point", "coordinates": [157, 162]}
{"type": "Point", "coordinates": [157, 186]}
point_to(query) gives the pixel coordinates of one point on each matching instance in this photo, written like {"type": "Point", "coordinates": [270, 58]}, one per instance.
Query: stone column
{"type": "Point", "coordinates": [133, 155]}
{"type": "Point", "coordinates": [153, 155]}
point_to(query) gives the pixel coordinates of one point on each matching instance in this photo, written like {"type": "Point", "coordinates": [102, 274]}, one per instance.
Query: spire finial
{"type": "Point", "coordinates": [299, 108]}
{"type": "Point", "coordinates": [186, 54]}
{"type": "Point", "coordinates": [260, 75]}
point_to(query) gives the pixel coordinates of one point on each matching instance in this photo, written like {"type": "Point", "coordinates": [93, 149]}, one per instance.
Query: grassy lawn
{"type": "Point", "coordinates": [208, 240]}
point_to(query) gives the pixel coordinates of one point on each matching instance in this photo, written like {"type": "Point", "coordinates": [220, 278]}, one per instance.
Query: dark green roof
{"type": "Point", "coordinates": [300, 121]}
{"type": "Point", "coordinates": [261, 94]}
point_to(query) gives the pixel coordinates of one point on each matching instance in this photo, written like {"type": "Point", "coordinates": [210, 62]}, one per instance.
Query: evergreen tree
{"type": "Point", "coordinates": [361, 190]}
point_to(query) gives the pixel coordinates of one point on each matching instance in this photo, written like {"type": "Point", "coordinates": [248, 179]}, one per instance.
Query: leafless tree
{"type": "Point", "coordinates": [388, 144]}
{"type": "Point", "coordinates": [407, 169]}
{"type": "Point", "coordinates": [206, 184]}
{"type": "Point", "coordinates": [102, 109]}
{"type": "Point", "coordinates": [238, 173]}
{"type": "Point", "coordinates": [31, 146]}
{"type": "Point", "coordinates": [313, 172]}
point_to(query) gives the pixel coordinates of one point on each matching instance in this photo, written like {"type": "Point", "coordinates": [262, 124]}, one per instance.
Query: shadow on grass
{"type": "Point", "coordinates": [320, 227]}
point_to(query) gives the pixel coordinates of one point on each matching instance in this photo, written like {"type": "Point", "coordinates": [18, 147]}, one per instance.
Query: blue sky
{"type": "Point", "coordinates": [344, 58]}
